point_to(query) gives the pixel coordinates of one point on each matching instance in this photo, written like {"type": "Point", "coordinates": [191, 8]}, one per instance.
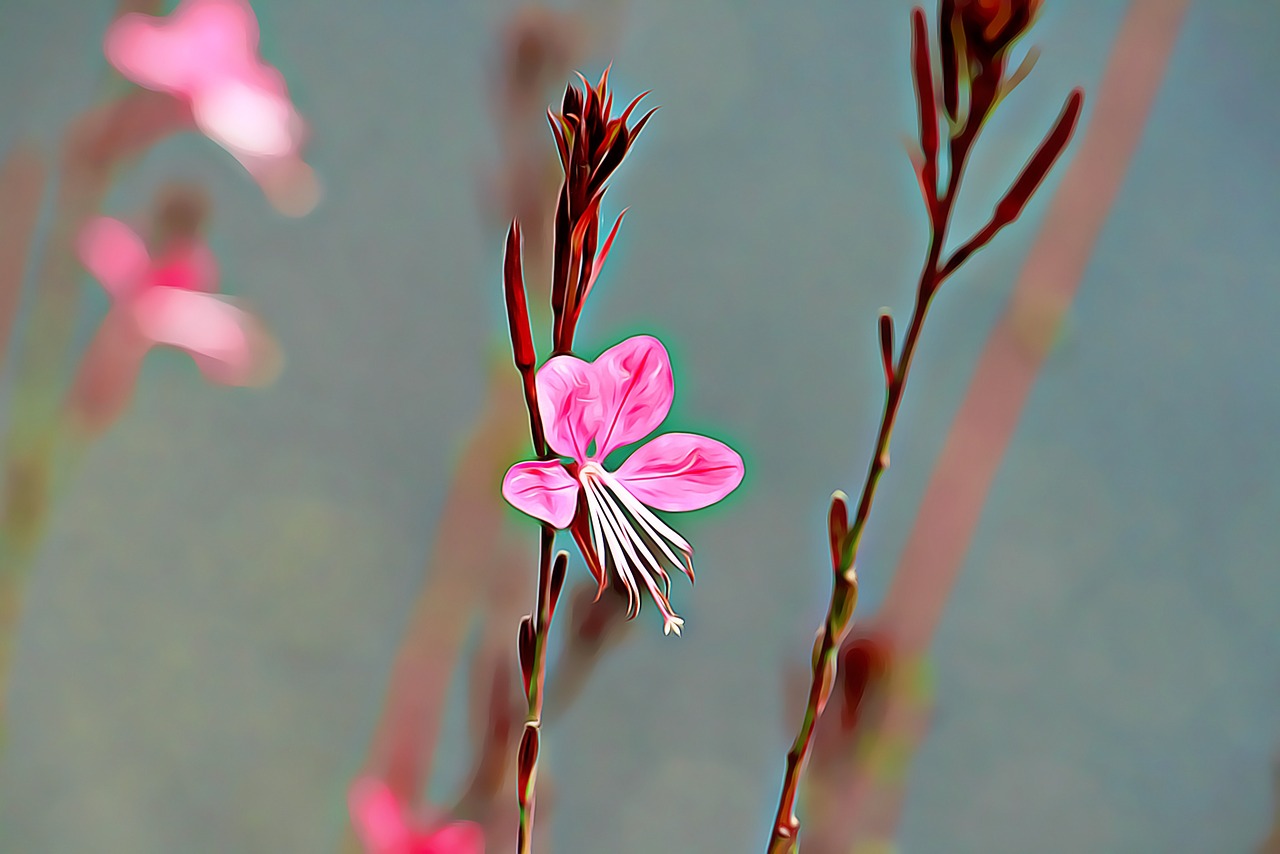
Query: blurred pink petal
{"type": "Point", "coordinates": [380, 822]}
{"type": "Point", "coordinates": [250, 118]}
{"type": "Point", "coordinates": [170, 302]}
{"type": "Point", "coordinates": [201, 43]}
{"type": "Point", "coordinates": [544, 490]}
{"type": "Point", "coordinates": [205, 53]}
{"type": "Point", "coordinates": [107, 375]}
{"type": "Point", "coordinates": [590, 408]}
{"type": "Point", "coordinates": [229, 344]}
{"type": "Point", "coordinates": [189, 265]}
{"type": "Point", "coordinates": [681, 471]}
{"type": "Point", "coordinates": [114, 255]}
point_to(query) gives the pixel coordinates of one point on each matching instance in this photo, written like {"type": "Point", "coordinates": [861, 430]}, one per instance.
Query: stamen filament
{"type": "Point", "coordinates": [615, 548]}
{"type": "Point", "coordinates": [653, 525]}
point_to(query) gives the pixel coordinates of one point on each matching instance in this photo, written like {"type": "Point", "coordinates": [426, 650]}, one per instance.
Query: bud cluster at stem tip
{"type": "Point", "coordinates": [975, 37]}
{"type": "Point", "coordinates": [591, 145]}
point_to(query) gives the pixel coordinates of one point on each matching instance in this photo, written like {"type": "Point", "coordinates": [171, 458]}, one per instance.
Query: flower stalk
{"type": "Point", "coordinates": [974, 66]}
{"type": "Point", "coordinates": [591, 145]}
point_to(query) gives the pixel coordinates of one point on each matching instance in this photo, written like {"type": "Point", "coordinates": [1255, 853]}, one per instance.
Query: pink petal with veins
{"type": "Point", "coordinates": [573, 400]}
{"type": "Point", "coordinates": [113, 254]}
{"type": "Point", "coordinates": [637, 373]}
{"type": "Point", "coordinates": [229, 345]}
{"type": "Point", "coordinates": [590, 408]}
{"type": "Point", "coordinates": [544, 490]}
{"type": "Point", "coordinates": [681, 471]}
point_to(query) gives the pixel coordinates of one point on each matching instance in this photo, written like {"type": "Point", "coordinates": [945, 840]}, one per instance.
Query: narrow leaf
{"type": "Point", "coordinates": [598, 264]}
{"type": "Point", "coordinates": [922, 72]}
{"type": "Point", "coordinates": [517, 305]}
{"type": "Point", "coordinates": [1010, 207]}
{"type": "Point", "coordinates": [886, 344]}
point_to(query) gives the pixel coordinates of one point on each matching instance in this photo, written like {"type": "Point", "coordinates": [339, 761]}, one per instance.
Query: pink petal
{"type": "Point", "coordinates": [250, 115]}
{"type": "Point", "coordinates": [681, 471]}
{"type": "Point", "coordinates": [230, 345]}
{"type": "Point", "coordinates": [377, 816]}
{"type": "Point", "coordinates": [107, 375]}
{"type": "Point", "coordinates": [460, 837]}
{"type": "Point", "coordinates": [544, 490]}
{"type": "Point", "coordinates": [637, 373]}
{"type": "Point", "coordinates": [202, 42]}
{"type": "Point", "coordinates": [189, 265]}
{"type": "Point", "coordinates": [113, 254]}
{"type": "Point", "coordinates": [574, 401]}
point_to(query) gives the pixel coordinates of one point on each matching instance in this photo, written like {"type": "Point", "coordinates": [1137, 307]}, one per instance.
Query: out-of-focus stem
{"type": "Point", "coordinates": [22, 182]}
{"type": "Point", "coordinates": [93, 145]}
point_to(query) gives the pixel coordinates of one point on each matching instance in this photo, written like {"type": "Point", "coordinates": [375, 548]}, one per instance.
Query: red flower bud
{"type": "Point", "coordinates": [991, 26]}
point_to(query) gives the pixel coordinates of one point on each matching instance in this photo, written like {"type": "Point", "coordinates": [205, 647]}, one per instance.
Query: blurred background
{"type": "Point", "coordinates": [207, 639]}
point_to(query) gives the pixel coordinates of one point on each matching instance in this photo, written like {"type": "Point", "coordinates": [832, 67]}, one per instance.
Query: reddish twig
{"type": "Point", "coordinates": [978, 66]}
{"type": "Point", "coordinates": [987, 417]}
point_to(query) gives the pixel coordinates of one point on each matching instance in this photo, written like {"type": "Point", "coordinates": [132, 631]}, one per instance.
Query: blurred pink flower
{"type": "Point", "coordinates": [588, 409]}
{"type": "Point", "coordinates": [168, 301]}
{"type": "Point", "coordinates": [206, 53]}
{"type": "Point", "coordinates": [380, 822]}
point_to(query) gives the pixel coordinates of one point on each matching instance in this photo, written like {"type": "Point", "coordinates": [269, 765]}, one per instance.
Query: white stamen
{"type": "Point", "coordinates": [653, 525]}
{"type": "Point", "coordinates": [630, 539]}
{"type": "Point", "coordinates": [597, 529]}
{"type": "Point", "coordinates": [615, 548]}
{"type": "Point", "coordinates": [630, 553]}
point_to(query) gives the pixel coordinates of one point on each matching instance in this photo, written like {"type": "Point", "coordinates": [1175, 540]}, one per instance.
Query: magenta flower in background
{"type": "Point", "coordinates": [589, 409]}
{"type": "Point", "coordinates": [379, 820]}
{"type": "Point", "coordinates": [167, 301]}
{"type": "Point", "coordinates": [206, 53]}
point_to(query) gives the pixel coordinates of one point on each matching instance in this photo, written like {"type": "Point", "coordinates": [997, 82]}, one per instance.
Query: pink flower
{"type": "Point", "coordinates": [205, 53]}
{"type": "Point", "coordinates": [589, 409]}
{"type": "Point", "coordinates": [379, 821]}
{"type": "Point", "coordinates": [171, 301]}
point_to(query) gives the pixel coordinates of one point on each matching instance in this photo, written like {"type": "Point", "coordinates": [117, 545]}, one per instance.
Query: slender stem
{"type": "Point", "coordinates": [786, 826]}
{"type": "Point", "coordinates": [528, 777]}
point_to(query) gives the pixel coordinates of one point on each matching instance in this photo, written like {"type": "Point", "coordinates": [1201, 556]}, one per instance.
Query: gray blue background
{"type": "Point", "coordinates": [207, 638]}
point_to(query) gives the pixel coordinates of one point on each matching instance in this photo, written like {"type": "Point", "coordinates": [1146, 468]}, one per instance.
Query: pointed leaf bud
{"type": "Point", "coordinates": [838, 527]}
{"type": "Point", "coordinates": [886, 344]}
{"type": "Point", "coordinates": [526, 644]}
{"type": "Point", "coordinates": [517, 306]}
{"type": "Point", "coordinates": [922, 73]}
{"type": "Point", "coordinates": [557, 581]}
{"type": "Point", "coordinates": [1010, 207]}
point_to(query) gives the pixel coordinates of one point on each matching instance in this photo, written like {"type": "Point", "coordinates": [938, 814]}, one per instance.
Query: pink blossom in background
{"type": "Point", "coordinates": [380, 822]}
{"type": "Point", "coordinates": [167, 301]}
{"type": "Point", "coordinates": [589, 409]}
{"type": "Point", "coordinates": [206, 53]}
